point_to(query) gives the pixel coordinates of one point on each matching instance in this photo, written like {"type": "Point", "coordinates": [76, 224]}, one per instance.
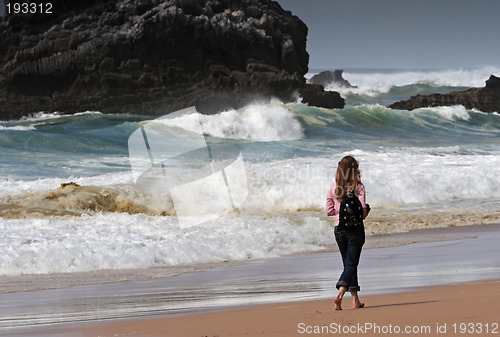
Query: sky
{"type": "Point", "coordinates": [400, 34]}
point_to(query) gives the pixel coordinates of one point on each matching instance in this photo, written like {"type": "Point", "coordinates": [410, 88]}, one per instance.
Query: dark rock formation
{"type": "Point", "coordinates": [335, 78]}
{"type": "Point", "coordinates": [314, 94]}
{"type": "Point", "coordinates": [485, 99]}
{"type": "Point", "coordinates": [150, 56]}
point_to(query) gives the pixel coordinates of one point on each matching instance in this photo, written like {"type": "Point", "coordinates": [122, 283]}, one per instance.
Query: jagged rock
{"type": "Point", "coordinates": [335, 78]}
{"type": "Point", "coordinates": [493, 83]}
{"type": "Point", "coordinates": [314, 94]}
{"type": "Point", "coordinates": [485, 99]}
{"type": "Point", "coordinates": [150, 56]}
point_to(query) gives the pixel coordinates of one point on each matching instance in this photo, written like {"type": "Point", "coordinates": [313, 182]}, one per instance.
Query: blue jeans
{"type": "Point", "coordinates": [350, 242]}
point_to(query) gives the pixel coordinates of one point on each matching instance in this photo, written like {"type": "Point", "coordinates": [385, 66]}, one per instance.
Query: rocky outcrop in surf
{"type": "Point", "coordinates": [485, 99]}
{"type": "Point", "coordinates": [150, 56]}
{"type": "Point", "coordinates": [314, 94]}
{"type": "Point", "coordinates": [333, 78]}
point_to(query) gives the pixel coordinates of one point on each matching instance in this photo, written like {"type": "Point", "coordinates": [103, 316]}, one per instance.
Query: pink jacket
{"type": "Point", "coordinates": [333, 205]}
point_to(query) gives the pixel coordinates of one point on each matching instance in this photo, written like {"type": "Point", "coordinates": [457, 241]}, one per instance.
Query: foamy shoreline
{"type": "Point", "coordinates": [34, 282]}
{"type": "Point", "coordinates": [454, 258]}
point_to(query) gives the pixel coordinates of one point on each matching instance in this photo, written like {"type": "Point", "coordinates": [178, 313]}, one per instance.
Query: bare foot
{"type": "Point", "coordinates": [338, 303]}
{"type": "Point", "coordinates": [358, 305]}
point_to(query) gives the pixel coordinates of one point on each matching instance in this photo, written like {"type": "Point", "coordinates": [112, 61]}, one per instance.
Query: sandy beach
{"type": "Point", "coordinates": [447, 278]}
{"type": "Point", "coordinates": [463, 309]}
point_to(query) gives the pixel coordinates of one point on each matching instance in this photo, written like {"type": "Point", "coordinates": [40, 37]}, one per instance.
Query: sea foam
{"type": "Point", "coordinates": [452, 112]}
{"type": "Point", "coordinates": [17, 128]}
{"type": "Point", "coordinates": [284, 213]}
{"type": "Point", "coordinates": [264, 123]}
{"type": "Point", "coordinates": [374, 83]}
{"type": "Point", "coordinates": [118, 241]}
{"type": "Point", "coordinates": [408, 188]}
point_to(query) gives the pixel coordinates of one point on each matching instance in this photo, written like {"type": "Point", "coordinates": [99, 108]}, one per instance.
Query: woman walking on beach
{"type": "Point", "coordinates": [350, 237]}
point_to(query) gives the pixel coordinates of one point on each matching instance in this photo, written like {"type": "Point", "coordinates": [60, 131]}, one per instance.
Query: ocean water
{"type": "Point", "coordinates": [431, 167]}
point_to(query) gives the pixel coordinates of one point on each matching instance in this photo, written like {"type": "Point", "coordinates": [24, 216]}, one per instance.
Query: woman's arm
{"type": "Point", "coordinates": [361, 193]}
{"type": "Point", "coordinates": [330, 203]}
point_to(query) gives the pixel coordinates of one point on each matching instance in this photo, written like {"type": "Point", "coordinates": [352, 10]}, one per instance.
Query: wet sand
{"type": "Point", "coordinates": [458, 255]}
{"type": "Point", "coordinates": [463, 309]}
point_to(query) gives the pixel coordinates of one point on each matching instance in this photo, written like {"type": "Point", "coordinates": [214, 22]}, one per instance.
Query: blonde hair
{"type": "Point", "coordinates": [347, 178]}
